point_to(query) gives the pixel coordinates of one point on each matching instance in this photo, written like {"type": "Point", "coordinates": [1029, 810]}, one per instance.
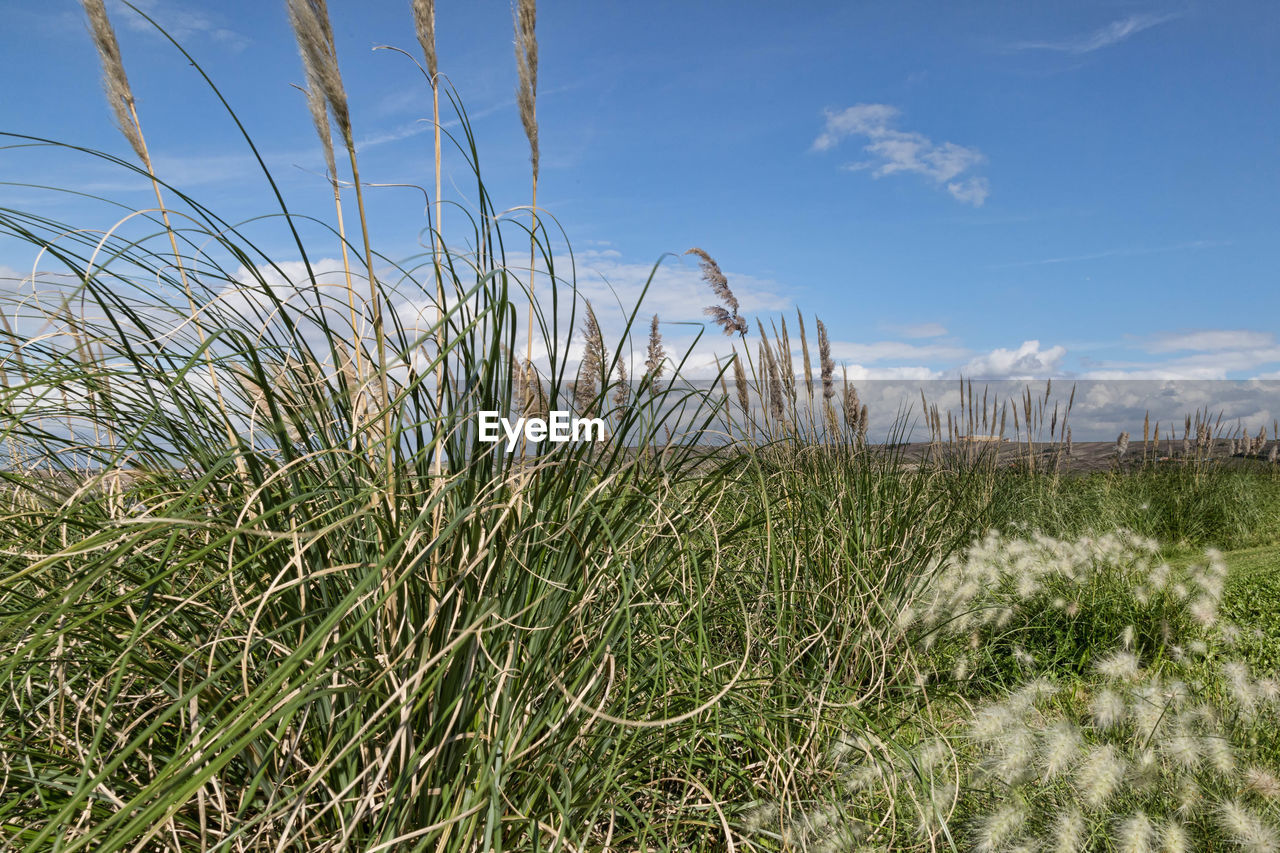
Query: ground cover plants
{"type": "Point", "coordinates": [265, 588]}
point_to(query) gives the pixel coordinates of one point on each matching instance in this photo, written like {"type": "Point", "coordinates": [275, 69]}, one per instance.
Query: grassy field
{"type": "Point", "coordinates": [265, 589]}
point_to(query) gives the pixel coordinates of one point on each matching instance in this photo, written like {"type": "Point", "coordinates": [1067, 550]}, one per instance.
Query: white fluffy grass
{"type": "Point", "coordinates": [1145, 752]}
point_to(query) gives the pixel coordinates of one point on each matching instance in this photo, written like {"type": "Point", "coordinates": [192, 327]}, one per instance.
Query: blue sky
{"type": "Point", "coordinates": [995, 189]}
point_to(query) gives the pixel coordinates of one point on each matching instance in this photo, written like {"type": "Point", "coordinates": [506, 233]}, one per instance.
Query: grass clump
{"type": "Point", "coordinates": [263, 587]}
{"type": "Point", "coordinates": [1011, 607]}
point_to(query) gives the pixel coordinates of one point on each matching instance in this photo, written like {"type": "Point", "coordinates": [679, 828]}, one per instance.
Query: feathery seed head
{"type": "Point", "coordinates": [314, 34]}
{"type": "Point", "coordinates": [1060, 747]}
{"type": "Point", "coordinates": [826, 365]}
{"type": "Point", "coordinates": [424, 21]}
{"type": "Point", "coordinates": [1182, 748]}
{"type": "Point", "coordinates": [998, 829]}
{"type": "Point", "coordinates": [1136, 834]}
{"type": "Point", "coordinates": [725, 316]}
{"type": "Point", "coordinates": [1245, 828]}
{"type": "Point", "coordinates": [526, 18]}
{"type": "Point", "coordinates": [1262, 782]}
{"type": "Point", "coordinates": [1100, 775]}
{"type": "Point", "coordinates": [114, 80]}
{"type": "Point", "coordinates": [622, 393]}
{"type": "Point", "coordinates": [740, 383]}
{"type": "Point", "coordinates": [1014, 756]}
{"type": "Point", "coordinates": [1108, 709]}
{"type": "Point", "coordinates": [1220, 754]}
{"type": "Point", "coordinates": [1068, 833]}
{"type": "Point", "coordinates": [1120, 665]}
{"type": "Point", "coordinates": [593, 363]}
{"type": "Point", "coordinates": [1174, 838]}
{"type": "Point", "coordinates": [656, 355]}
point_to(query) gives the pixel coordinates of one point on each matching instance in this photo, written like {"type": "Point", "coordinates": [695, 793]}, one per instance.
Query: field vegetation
{"type": "Point", "coordinates": [264, 589]}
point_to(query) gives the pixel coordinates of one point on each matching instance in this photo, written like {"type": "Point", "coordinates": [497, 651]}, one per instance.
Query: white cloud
{"type": "Point", "coordinates": [894, 351]}
{"type": "Point", "coordinates": [972, 191]}
{"type": "Point", "coordinates": [858, 120]}
{"type": "Point", "coordinates": [896, 151]}
{"type": "Point", "coordinates": [859, 373]}
{"type": "Point", "coordinates": [1112, 34]}
{"type": "Point", "coordinates": [1026, 362]}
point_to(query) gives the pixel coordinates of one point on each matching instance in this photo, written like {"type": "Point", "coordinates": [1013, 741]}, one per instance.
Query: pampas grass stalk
{"type": "Point", "coordinates": [526, 19]}
{"type": "Point", "coordinates": [740, 385]}
{"type": "Point", "coordinates": [318, 107]}
{"type": "Point", "coordinates": [591, 370]}
{"type": "Point", "coordinates": [804, 348]}
{"type": "Point", "coordinates": [314, 33]}
{"type": "Point", "coordinates": [424, 18]}
{"type": "Point", "coordinates": [655, 354]}
{"type": "Point", "coordinates": [124, 109]}
{"type": "Point", "coordinates": [827, 368]}
{"type": "Point", "coordinates": [622, 394]}
{"type": "Point", "coordinates": [725, 315]}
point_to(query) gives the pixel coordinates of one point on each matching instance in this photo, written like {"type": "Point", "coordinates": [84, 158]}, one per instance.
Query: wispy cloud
{"type": "Point", "coordinates": [922, 330]}
{"type": "Point", "coordinates": [1196, 354]}
{"type": "Point", "coordinates": [1112, 34]}
{"type": "Point", "coordinates": [1211, 340]}
{"type": "Point", "coordinates": [181, 20]}
{"type": "Point", "coordinates": [1115, 253]}
{"type": "Point", "coordinates": [896, 151]}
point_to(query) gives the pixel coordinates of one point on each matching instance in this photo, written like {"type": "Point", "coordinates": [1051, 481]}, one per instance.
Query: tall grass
{"type": "Point", "coordinates": [263, 587]}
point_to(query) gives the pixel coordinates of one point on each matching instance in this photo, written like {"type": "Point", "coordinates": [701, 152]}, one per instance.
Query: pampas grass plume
{"type": "Point", "coordinates": [655, 355]}
{"type": "Point", "coordinates": [310, 21]}
{"type": "Point", "coordinates": [526, 18]}
{"type": "Point", "coordinates": [424, 22]}
{"type": "Point", "coordinates": [114, 81]}
{"type": "Point", "coordinates": [726, 315]}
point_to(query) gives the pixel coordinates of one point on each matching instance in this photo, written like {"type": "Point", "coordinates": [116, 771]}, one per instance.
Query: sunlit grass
{"type": "Point", "coordinates": [264, 588]}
